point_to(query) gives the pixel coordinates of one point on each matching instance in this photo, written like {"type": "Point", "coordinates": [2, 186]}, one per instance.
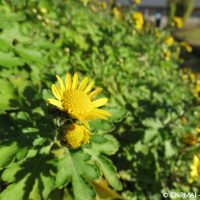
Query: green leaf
{"type": "Point", "coordinates": [7, 153]}
{"type": "Point", "coordinates": [170, 151]}
{"type": "Point", "coordinates": [101, 126]}
{"type": "Point", "coordinates": [9, 60]}
{"type": "Point", "coordinates": [75, 167]}
{"type": "Point", "coordinates": [11, 16]}
{"type": "Point", "coordinates": [31, 55]}
{"type": "Point", "coordinates": [30, 180]}
{"type": "Point", "coordinates": [7, 93]}
{"type": "Point", "coordinates": [117, 114]}
{"type": "Point", "coordinates": [109, 146]}
{"type": "Point", "coordinates": [15, 188]}
{"type": "Point", "coordinates": [4, 46]}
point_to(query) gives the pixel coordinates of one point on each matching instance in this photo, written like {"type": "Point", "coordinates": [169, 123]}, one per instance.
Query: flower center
{"type": "Point", "coordinates": [76, 102]}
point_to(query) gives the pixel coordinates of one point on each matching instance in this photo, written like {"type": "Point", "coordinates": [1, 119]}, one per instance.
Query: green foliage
{"type": "Point", "coordinates": [152, 105]}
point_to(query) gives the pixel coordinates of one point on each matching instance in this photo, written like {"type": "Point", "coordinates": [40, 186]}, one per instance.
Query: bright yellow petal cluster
{"type": "Point", "coordinates": [76, 135]}
{"type": "Point", "coordinates": [197, 91]}
{"type": "Point", "coordinates": [195, 169]}
{"type": "Point", "coordinates": [169, 41]}
{"type": "Point", "coordinates": [77, 100]}
{"type": "Point", "coordinates": [178, 22]}
{"type": "Point", "coordinates": [190, 139]}
{"type": "Point", "coordinates": [138, 20]}
{"type": "Point", "coordinates": [137, 1]}
{"type": "Point", "coordinates": [187, 47]}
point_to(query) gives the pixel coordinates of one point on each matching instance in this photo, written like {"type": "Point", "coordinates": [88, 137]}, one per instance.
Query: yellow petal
{"type": "Point", "coordinates": [87, 135]}
{"type": "Point", "coordinates": [62, 87]}
{"type": "Point", "coordinates": [75, 81]}
{"type": "Point", "coordinates": [196, 160]}
{"type": "Point", "coordinates": [191, 180]}
{"type": "Point", "coordinates": [89, 87]}
{"type": "Point", "coordinates": [55, 103]}
{"type": "Point", "coordinates": [56, 92]}
{"type": "Point", "coordinates": [68, 81]}
{"type": "Point", "coordinates": [83, 84]}
{"type": "Point", "coordinates": [93, 115]}
{"type": "Point", "coordinates": [99, 102]}
{"type": "Point", "coordinates": [95, 92]}
{"type": "Point", "coordinates": [81, 119]}
{"type": "Point", "coordinates": [103, 112]}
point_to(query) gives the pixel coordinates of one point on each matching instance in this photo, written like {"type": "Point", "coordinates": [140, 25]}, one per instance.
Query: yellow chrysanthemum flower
{"type": "Point", "coordinates": [178, 22]}
{"type": "Point", "coordinates": [187, 47]}
{"type": "Point", "coordinates": [78, 101]}
{"type": "Point", "coordinates": [137, 1]}
{"type": "Point", "coordinates": [138, 20]}
{"type": "Point", "coordinates": [195, 168]}
{"type": "Point", "coordinates": [190, 139]}
{"type": "Point", "coordinates": [117, 13]}
{"type": "Point", "coordinates": [169, 41]}
{"type": "Point", "coordinates": [76, 135]}
{"type": "Point", "coordinates": [197, 91]}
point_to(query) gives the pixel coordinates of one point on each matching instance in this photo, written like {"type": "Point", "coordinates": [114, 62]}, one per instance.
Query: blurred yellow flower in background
{"type": "Point", "coordinates": [77, 101]}
{"type": "Point", "coordinates": [103, 5]}
{"type": "Point", "coordinates": [178, 22]}
{"type": "Point", "coordinates": [195, 169]}
{"type": "Point", "coordinates": [137, 1]}
{"type": "Point", "coordinates": [198, 130]}
{"type": "Point", "coordinates": [187, 47]}
{"type": "Point", "coordinates": [169, 41]}
{"type": "Point", "coordinates": [117, 14]}
{"type": "Point", "coordinates": [166, 54]}
{"type": "Point", "coordinates": [190, 139]}
{"type": "Point", "coordinates": [138, 20]}
{"type": "Point", "coordinates": [76, 135]}
{"type": "Point", "coordinates": [197, 91]}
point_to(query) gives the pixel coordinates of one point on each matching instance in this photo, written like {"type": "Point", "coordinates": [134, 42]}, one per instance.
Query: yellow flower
{"type": "Point", "coordinates": [197, 91]}
{"type": "Point", "coordinates": [76, 135]}
{"type": "Point", "coordinates": [169, 41]}
{"type": "Point", "coordinates": [178, 22]}
{"type": "Point", "coordinates": [137, 1]}
{"type": "Point", "coordinates": [166, 54]}
{"type": "Point", "coordinates": [195, 169]}
{"type": "Point", "coordinates": [198, 130]}
{"type": "Point", "coordinates": [78, 101]}
{"type": "Point", "coordinates": [43, 10]}
{"type": "Point", "coordinates": [138, 20]}
{"type": "Point", "coordinates": [192, 76]}
{"type": "Point", "coordinates": [103, 4]}
{"type": "Point", "coordinates": [187, 47]}
{"type": "Point", "coordinates": [190, 139]}
{"type": "Point", "coordinates": [117, 13]}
